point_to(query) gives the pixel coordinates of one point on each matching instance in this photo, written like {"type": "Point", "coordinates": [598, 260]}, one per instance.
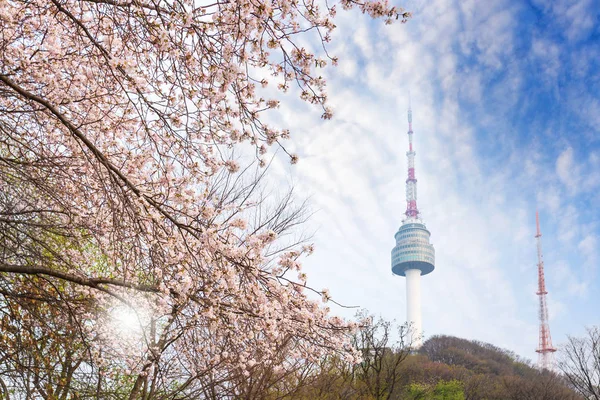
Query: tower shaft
{"type": "Point", "coordinates": [413, 307]}
{"type": "Point", "coordinates": [545, 348]}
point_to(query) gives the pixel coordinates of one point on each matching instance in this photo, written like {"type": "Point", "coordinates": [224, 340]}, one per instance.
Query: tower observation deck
{"type": "Point", "coordinates": [413, 250]}
{"type": "Point", "coordinates": [413, 255]}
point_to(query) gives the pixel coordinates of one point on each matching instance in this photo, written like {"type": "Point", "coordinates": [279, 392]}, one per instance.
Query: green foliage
{"type": "Point", "coordinates": [443, 390]}
{"type": "Point", "coordinates": [451, 390]}
{"type": "Point", "coordinates": [418, 391]}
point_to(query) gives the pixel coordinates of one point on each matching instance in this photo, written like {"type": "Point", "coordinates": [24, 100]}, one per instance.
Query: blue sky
{"type": "Point", "coordinates": [506, 114]}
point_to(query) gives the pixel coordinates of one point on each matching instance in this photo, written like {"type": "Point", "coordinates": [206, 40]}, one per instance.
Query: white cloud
{"type": "Point", "coordinates": [546, 55]}
{"type": "Point", "coordinates": [549, 197]}
{"type": "Point", "coordinates": [576, 19]}
{"type": "Point", "coordinates": [579, 175]}
{"type": "Point", "coordinates": [588, 245]}
{"type": "Point", "coordinates": [589, 249]}
{"type": "Point", "coordinates": [568, 170]}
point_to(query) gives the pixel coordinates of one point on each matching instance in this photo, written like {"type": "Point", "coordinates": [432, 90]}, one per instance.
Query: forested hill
{"type": "Point", "coordinates": [448, 367]}
{"type": "Point", "coordinates": [475, 356]}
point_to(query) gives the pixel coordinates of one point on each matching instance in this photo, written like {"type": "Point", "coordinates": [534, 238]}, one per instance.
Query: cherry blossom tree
{"type": "Point", "coordinates": [119, 194]}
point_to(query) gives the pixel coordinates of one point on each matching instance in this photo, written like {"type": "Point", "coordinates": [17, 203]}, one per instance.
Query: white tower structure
{"type": "Point", "coordinates": [413, 255]}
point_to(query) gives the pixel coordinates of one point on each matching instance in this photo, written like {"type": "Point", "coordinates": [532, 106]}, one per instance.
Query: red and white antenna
{"type": "Point", "coordinates": [411, 182]}
{"type": "Point", "coordinates": [545, 348]}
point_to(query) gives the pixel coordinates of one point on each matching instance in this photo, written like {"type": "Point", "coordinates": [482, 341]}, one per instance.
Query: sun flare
{"type": "Point", "coordinates": [127, 320]}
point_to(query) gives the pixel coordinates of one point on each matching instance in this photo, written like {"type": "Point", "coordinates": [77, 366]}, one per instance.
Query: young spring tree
{"type": "Point", "coordinates": [383, 347]}
{"type": "Point", "coordinates": [116, 118]}
{"type": "Point", "coordinates": [580, 363]}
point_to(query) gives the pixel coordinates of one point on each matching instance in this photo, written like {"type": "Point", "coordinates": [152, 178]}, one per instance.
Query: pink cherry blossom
{"type": "Point", "coordinates": [118, 120]}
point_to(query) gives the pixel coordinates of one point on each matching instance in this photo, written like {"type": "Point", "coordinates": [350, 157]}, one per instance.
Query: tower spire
{"type": "Point", "coordinates": [411, 182]}
{"type": "Point", "coordinates": [545, 348]}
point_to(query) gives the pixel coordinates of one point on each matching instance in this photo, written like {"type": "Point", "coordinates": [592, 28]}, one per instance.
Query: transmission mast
{"type": "Point", "coordinates": [545, 348]}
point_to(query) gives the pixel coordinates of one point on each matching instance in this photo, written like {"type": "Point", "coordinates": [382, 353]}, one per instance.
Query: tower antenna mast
{"type": "Point", "coordinates": [545, 348]}
{"type": "Point", "coordinates": [411, 183]}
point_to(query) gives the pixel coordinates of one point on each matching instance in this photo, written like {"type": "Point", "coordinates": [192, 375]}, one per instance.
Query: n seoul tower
{"type": "Point", "coordinates": [413, 255]}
